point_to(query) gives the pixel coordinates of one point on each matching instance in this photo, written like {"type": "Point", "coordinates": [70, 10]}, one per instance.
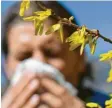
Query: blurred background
{"type": "Point", "coordinates": [95, 15]}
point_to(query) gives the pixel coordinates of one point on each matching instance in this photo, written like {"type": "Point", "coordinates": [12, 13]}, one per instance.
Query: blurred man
{"type": "Point", "coordinates": [20, 43]}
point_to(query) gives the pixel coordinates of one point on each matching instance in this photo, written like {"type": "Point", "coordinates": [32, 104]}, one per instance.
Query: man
{"type": "Point", "coordinates": [20, 43]}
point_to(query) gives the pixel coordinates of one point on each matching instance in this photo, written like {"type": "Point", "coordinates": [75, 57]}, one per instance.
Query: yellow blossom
{"type": "Point", "coordinates": [40, 16]}
{"type": "Point", "coordinates": [38, 24]}
{"type": "Point", "coordinates": [92, 43]}
{"type": "Point", "coordinates": [61, 33]}
{"type": "Point", "coordinates": [24, 6]}
{"type": "Point", "coordinates": [78, 39]}
{"type": "Point", "coordinates": [109, 79]}
{"type": "Point", "coordinates": [54, 28]}
{"type": "Point", "coordinates": [108, 103]}
{"type": "Point", "coordinates": [39, 19]}
{"type": "Point", "coordinates": [106, 56]}
{"type": "Point", "coordinates": [82, 38]}
{"type": "Point", "coordinates": [93, 105]}
{"type": "Point", "coordinates": [43, 13]}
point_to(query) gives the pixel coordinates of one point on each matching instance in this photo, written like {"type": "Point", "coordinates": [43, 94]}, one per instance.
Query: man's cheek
{"type": "Point", "coordinates": [57, 63]}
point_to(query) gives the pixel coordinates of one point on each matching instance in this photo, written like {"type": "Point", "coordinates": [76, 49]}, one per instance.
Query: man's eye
{"type": "Point", "coordinates": [24, 56]}
{"type": "Point", "coordinates": [50, 53]}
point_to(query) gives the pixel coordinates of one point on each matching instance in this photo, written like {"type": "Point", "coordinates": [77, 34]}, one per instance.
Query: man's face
{"type": "Point", "coordinates": [23, 44]}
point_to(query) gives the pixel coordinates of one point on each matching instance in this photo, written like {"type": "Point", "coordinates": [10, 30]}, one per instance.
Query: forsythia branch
{"type": "Point", "coordinates": [67, 22]}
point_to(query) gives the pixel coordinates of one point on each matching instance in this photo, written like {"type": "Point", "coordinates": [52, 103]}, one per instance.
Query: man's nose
{"type": "Point", "coordinates": [39, 55]}
{"type": "Point", "coordinates": [38, 45]}
{"type": "Point", "coordinates": [46, 46]}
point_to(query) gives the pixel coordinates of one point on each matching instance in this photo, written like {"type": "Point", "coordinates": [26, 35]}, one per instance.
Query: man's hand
{"type": "Point", "coordinates": [22, 94]}
{"type": "Point", "coordinates": [58, 97]}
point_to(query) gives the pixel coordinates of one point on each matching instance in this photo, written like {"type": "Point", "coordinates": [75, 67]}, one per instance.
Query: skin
{"type": "Point", "coordinates": [22, 45]}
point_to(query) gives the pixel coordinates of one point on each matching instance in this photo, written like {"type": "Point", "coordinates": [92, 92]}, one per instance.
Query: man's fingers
{"type": "Point", "coordinates": [44, 106]}
{"type": "Point", "coordinates": [53, 87]}
{"type": "Point", "coordinates": [26, 94]}
{"type": "Point", "coordinates": [51, 100]}
{"type": "Point", "coordinates": [16, 89]}
{"type": "Point", "coordinates": [79, 103]}
{"type": "Point", "coordinates": [32, 102]}
{"type": "Point", "coordinates": [24, 80]}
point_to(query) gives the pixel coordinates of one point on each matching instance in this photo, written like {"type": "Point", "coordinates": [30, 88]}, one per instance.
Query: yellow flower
{"type": "Point", "coordinates": [92, 43]}
{"type": "Point", "coordinates": [24, 6]}
{"type": "Point", "coordinates": [82, 38]}
{"type": "Point", "coordinates": [54, 28]}
{"type": "Point", "coordinates": [78, 39]}
{"type": "Point", "coordinates": [43, 13]}
{"type": "Point", "coordinates": [106, 56]}
{"type": "Point", "coordinates": [40, 15]}
{"type": "Point", "coordinates": [61, 33]}
{"type": "Point", "coordinates": [38, 24]}
{"type": "Point", "coordinates": [108, 103]}
{"type": "Point", "coordinates": [39, 19]}
{"type": "Point", "coordinates": [93, 105]}
{"type": "Point", "coordinates": [109, 79]}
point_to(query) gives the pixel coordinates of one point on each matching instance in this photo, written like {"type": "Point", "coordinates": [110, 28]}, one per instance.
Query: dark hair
{"type": "Point", "coordinates": [13, 14]}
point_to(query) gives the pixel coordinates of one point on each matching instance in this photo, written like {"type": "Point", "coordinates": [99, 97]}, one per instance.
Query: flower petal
{"type": "Point", "coordinates": [53, 29]}
{"type": "Point", "coordinates": [61, 33]}
{"type": "Point", "coordinates": [25, 4]}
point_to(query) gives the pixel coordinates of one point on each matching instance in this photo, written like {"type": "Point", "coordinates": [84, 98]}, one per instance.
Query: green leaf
{"type": "Point", "coordinates": [61, 33]}
{"type": "Point", "coordinates": [53, 29]}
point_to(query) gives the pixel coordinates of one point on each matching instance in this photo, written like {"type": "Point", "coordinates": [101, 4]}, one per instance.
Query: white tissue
{"type": "Point", "coordinates": [42, 68]}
